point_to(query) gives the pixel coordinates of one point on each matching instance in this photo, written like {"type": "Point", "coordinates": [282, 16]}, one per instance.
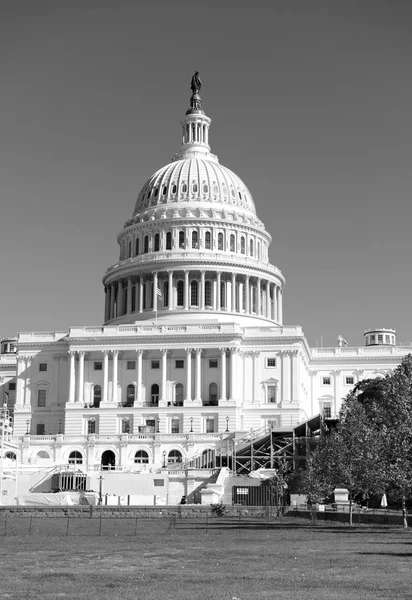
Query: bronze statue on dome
{"type": "Point", "coordinates": [195, 84]}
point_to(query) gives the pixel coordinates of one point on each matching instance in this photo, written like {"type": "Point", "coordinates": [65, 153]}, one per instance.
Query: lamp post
{"type": "Point", "coordinates": [27, 426]}
{"type": "Point", "coordinates": [164, 459]}
{"type": "Point", "coordinates": [227, 423]}
{"type": "Point", "coordinates": [60, 426]}
{"type": "Point", "coordinates": [100, 490]}
{"type": "Point", "coordinates": [191, 424]}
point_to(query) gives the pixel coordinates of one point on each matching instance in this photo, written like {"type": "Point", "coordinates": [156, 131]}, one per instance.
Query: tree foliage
{"type": "Point", "coordinates": [370, 451]}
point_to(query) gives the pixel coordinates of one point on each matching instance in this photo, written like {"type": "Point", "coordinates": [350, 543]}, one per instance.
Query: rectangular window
{"type": "Point", "coordinates": [210, 425]}
{"type": "Point", "coordinates": [42, 366]}
{"type": "Point", "coordinates": [372, 339]}
{"type": "Point", "coordinates": [349, 380]}
{"type": "Point", "coordinates": [155, 364]}
{"type": "Point", "coordinates": [41, 398]}
{"type": "Point", "coordinates": [40, 429]}
{"type": "Point", "coordinates": [180, 364]}
{"type": "Point", "coordinates": [325, 380]}
{"type": "Point", "coordinates": [271, 362]}
{"type": "Point", "coordinates": [175, 426]}
{"type": "Point", "coordinates": [272, 394]}
{"type": "Point", "coordinates": [98, 366]}
{"type": "Point", "coordinates": [213, 363]}
{"type": "Point", "coordinates": [12, 387]}
{"type": "Point", "coordinates": [387, 339]}
{"type": "Point", "coordinates": [125, 425]}
{"type": "Point", "coordinates": [380, 339]}
{"type": "Point", "coordinates": [327, 411]}
{"type": "Point", "coordinates": [91, 426]}
{"type": "Point", "coordinates": [131, 365]}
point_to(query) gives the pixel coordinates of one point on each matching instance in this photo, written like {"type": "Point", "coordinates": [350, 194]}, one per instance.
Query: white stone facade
{"type": "Point", "coordinates": [193, 346]}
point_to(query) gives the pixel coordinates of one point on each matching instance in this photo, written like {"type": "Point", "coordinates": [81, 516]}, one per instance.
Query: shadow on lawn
{"type": "Point", "coordinates": [406, 554]}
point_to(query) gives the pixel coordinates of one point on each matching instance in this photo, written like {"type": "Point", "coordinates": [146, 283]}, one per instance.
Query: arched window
{"type": "Point", "coordinates": [205, 188]}
{"type": "Point", "coordinates": [184, 188]}
{"type": "Point", "coordinates": [43, 454]}
{"type": "Point", "coordinates": [194, 239]}
{"type": "Point", "coordinates": [194, 187]}
{"type": "Point", "coordinates": [130, 395]}
{"type": "Point", "coordinates": [146, 244]}
{"type": "Point", "coordinates": [136, 248]}
{"type": "Point", "coordinates": [10, 455]}
{"type": "Point", "coordinates": [169, 240]}
{"type": "Point", "coordinates": [207, 240]}
{"type": "Point", "coordinates": [254, 299]}
{"type": "Point", "coordinates": [222, 294]}
{"type": "Point", "coordinates": [180, 293]}
{"type": "Point", "coordinates": [174, 456]}
{"type": "Point", "coordinates": [232, 242]}
{"type": "Point", "coordinates": [129, 249]}
{"type": "Point", "coordinates": [174, 188]}
{"type": "Point", "coordinates": [141, 457]}
{"type": "Point", "coordinates": [208, 293]}
{"type": "Point", "coordinates": [193, 293]}
{"type": "Point", "coordinates": [165, 190]}
{"type": "Point", "coordinates": [242, 245]}
{"type": "Point", "coordinates": [165, 294]}
{"type": "Point", "coordinates": [258, 250]}
{"type": "Point", "coordinates": [75, 458]}
{"type": "Point", "coordinates": [179, 394]}
{"type": "Point", "coordinates": [251, 248]}
{"type": "Point", "coordinates": [220, 241]}
{"type": "Point", "coordinates": [157, 242]}
{"type": "Point", "coordinates": [97, 396]}
{"type": "Point", "coordinates": [181, 239]}
{"type": "Point", "coordinates": [213, 394]}
{"type": "Point", "coordinates": [154, 395]}
{"type": "Point", "coordinates": [156, 192]}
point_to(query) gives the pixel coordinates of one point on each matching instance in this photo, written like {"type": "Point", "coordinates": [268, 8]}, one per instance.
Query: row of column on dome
{"type": "Point", "coordinates": [215, 291]}
{"type": "Point", "coordinates": [158, 391]}
{"type": "Point", "coordinates": [184, 239]}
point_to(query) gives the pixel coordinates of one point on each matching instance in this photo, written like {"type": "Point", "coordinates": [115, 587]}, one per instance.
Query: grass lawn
{"type": "Point", "coordinates": [159, 561]}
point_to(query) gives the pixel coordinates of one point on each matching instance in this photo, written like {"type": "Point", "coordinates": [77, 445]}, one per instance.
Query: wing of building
{"type": "Point", "coordinates": [192, 350]}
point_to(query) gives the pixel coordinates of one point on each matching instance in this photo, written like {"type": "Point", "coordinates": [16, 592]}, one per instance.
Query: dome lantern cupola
{"type": "Point", "coordinates": [195, 127]}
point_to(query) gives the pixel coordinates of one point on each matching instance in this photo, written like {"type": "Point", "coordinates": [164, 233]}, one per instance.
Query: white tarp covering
{"type": "Point", "coordinates": [59, 499]}
{"type": "Point", "coordinates": [263, 473]}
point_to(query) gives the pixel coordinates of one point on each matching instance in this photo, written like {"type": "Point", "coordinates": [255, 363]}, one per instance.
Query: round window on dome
{"type": "Point", "coordinates": [165, 190]}
{"type": "Point", "coordinates": [184, 188]}
{"type": "Point", "coordinates": [194, 187]}
{"type": "Point", "coordinates": [174, 188]}
{"type": "Point", "coordinates": [224, 189]}
{"type": "Point", "coordinates": [233, 192]}
{"type": "Point", "coordinates": [156, 192]}
{"type": "Point", "coordinates": [215, 188]}
{"type": "Point", "coordinates": [205, 188]}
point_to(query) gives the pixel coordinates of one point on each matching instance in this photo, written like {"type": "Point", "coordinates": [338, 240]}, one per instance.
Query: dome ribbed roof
{"type": "Point", "coordinates": [194, 180]}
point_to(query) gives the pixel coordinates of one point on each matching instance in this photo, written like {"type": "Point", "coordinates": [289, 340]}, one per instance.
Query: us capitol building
{"type": "Point", "coordinates": [193, 348]}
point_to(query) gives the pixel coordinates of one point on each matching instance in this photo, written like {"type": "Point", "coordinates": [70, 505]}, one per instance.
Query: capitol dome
{"type": "Point", "coordinates": [194, 243]}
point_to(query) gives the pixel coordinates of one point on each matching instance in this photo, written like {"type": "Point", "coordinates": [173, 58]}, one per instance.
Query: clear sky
{"type": "Point", "coordinates": [311, 106]}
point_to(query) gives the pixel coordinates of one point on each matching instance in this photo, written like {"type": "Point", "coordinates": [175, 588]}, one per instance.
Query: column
{"type": "Point", "coordinates": [223, 373]}
{"type": "Point", "coordinates": [105, 375]}
{"type": "Point", "coordinates": [268, 304]}
{"type": "Point", "coordinates": [202, 290]}
{"type": "Point", "coordinates": [27, 388]}
{"type": "Point", "coordinates": [280, 307]}
{"type": "Point", "coordinates": [112, 297]}
{"type": "Point", "coordinates": [141, 294]}
{"type": "Point", "coordinates": [155, 288]}
{"type": "Point", "coordinates": [247, 284]}
{"type": "Point", "coordinates": [115, 354]}
{"type": "Point", "coordinates": [198, 390]}
{"type": "Point", "coordinates": [129, 296]}
{"type": "Point", "coordinates": [164, 375]}
{"type": "Point", "coordinates": [120, 300]}
{"type": "Point", "coordinates": [80, 392]}
{"type": "Point", "coordinates": [72, 375]}
{"type": "Point", "coordinates": [218, 275]}
{"type": "Point", "coordinates": [258, 299]}
{"type": "Point", "coordinates": [20, 382]}
{"type": "Point", "coordinates": [186, 290]}
{"type": "Point", "coordinates": [170, 299]}
{"type": "Point", "coordinates": [336, 393]}
{"type": "Point", "coordinates": [188, 373]}
{"type": "Point", "coordinates": [136, 296]}
{"type": "Point", "coordinates": [285, 358]}
{"type": "Point", "coordinates": [139, 375]}
{"type": "Point", "coordinates": [294, 376]}
{"type": "Point", "coordinates": [233, 292]}
{"type": "Point", "coordinates": [107, 303]}
{"type": "Point", "coordinates": [232, 391]}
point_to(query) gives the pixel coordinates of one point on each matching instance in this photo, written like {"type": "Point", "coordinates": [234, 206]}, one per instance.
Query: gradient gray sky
{"type": "Point", "coordinates": [310, 104]}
